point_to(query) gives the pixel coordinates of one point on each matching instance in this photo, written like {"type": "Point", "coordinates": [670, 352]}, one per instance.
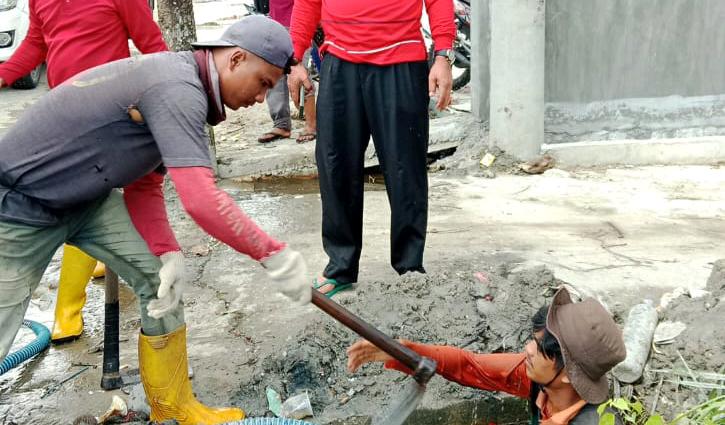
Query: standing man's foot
{"type": "Point", "coordinates": [414, 271]}
{"type": "Point", "coordinates": [330, 287]}
{"type": "Point", "coordinates": [306, 136]}
{"type": "Point", "coordinates": [274, 134]}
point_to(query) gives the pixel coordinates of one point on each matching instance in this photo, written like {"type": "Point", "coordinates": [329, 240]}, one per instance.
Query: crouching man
{"type": "Point", "coordinates": [124, 125]}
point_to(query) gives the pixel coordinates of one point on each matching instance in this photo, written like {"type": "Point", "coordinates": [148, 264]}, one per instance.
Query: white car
{"type": "Point", "coordinates": [14, 23]}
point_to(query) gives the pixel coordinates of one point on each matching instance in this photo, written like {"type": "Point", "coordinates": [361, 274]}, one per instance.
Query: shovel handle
{"type": "Point", "coordinates": [111, 378]}
{"type": "Point", "coordinates": [398, 351]}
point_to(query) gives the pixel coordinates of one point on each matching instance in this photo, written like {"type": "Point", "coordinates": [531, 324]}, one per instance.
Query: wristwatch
{"type": "Point", "coordinates": [449, 54]}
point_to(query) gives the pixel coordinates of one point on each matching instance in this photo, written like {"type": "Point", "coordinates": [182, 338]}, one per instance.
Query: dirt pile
{"type": "Point", "coordinates": [479, 307]}
{"type": "Point", "coordinates": [701, 346]}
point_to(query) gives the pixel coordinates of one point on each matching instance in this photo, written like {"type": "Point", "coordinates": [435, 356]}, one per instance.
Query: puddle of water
{"type": "Point", "coordinates": [484, 411]}
{"type": "Point", "coordinates": [274, 185]}
{"type": "Point", "coordinates": [276, 204]}
{"type": "Point", "coordinates": [292, 185]}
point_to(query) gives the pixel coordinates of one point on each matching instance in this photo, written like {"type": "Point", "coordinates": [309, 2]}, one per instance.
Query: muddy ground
{"type": "Point", "coordinates": [448, 307]}
{"type": "Point", "coordinates": [244, 338]}
{"type": "Point", "coordinates": [700, 348]}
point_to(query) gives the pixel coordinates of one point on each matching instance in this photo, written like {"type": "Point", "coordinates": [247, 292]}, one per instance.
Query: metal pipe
{"type": "Point", "coordinates": [423, 368]}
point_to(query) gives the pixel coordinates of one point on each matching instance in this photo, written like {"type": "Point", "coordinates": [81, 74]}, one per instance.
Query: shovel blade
{"type": "Point", "coordinates": [403, 406]}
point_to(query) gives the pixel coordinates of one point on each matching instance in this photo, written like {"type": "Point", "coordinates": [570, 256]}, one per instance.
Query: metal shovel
{"type": "Point", "coordinates": [424, 368]}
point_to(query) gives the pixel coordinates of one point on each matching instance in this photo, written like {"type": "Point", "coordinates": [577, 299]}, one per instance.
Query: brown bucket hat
{"type": "Point", "coordinates": [590, 342]}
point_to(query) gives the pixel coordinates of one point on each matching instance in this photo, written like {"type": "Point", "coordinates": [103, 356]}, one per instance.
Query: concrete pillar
{"type": "Point", "coordinates": [517, 76]}
{"type": "Point", "coordinates": [480, 76]}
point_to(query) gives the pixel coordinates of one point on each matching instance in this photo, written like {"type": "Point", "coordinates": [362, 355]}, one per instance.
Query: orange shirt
{"type": "Point", "coordinates": [504, 372]}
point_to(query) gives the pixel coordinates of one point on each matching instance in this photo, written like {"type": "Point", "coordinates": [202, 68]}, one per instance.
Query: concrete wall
{"type": "Point", "coordinates": [480, 43]}
{"type": "Point", "coordinates": [516, 107]}
{"type": "Point", "coordinates": [611, 49]}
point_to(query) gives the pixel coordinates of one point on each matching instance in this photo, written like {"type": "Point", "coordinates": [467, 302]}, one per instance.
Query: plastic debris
{"type": "Point", "coordinates": [638, 333]}
{"type": "Point", "coordinates": [297, 407]}
{"type": "Point", "coordinates": [118, 409]}
{"type": "Point", "coordinates": [698, 293]}
{"type": "Point", "coordinates": [274, 401]}
{"type": "Point", "coordinates": [538, 166]}
{"type": "Point", "coordinates": [667, 331]}
{"type": "Point", "coordinates": [667, 297]}
{"type": "Point", "coordinates": [487, 160]}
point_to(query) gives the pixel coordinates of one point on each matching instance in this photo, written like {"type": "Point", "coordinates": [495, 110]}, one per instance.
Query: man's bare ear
{"type": "Point", "coordinates": [565, 378]}
{"type": "Point", "coordinates": [237, 57]}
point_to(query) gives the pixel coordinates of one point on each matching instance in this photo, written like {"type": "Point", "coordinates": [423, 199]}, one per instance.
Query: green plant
{"type": "Point", "coordinates": [711, 412]}
{"type": "Point", "coordinates": [630, 412]}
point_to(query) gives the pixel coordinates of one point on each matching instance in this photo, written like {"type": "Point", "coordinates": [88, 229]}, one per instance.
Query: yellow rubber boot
{"type": "Point", "coordinates": [75, 272]}
{"type": "Point", "coordinates": [164, 374]}
{"type": "Point", "coordinates": [99, 271]}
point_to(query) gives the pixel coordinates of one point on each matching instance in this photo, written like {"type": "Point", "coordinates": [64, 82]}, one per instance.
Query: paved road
{"type": "Point", "coordinates": [14, 102]}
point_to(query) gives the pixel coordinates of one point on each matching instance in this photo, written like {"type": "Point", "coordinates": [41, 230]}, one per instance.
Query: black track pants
{"type": "Point", "coordinates": [391, 104]}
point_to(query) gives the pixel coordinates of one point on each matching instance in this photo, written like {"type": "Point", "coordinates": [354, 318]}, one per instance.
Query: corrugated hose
{"type": "Point", "coordinates": [40, 343]}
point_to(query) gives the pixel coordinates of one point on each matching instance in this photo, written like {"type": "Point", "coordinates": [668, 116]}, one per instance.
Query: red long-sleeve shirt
{"type": "Point", "coordinates": [211, 208]}
{"type": "Point", "coordinates": [379, 32]}
{"type": "Point", "coordinates": [75, 35]}
{"type": "Point", "coordinates": [504, 372]}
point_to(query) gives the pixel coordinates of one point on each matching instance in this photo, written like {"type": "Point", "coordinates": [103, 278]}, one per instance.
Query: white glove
{"type": "Point", "coordinates": [288, 269]}
{"type": "Point", "coordinates": [173, 281]}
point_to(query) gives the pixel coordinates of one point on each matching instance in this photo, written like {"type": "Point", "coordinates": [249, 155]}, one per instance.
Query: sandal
{"type": "Point", "coordinates": [271, 136]}
{"type": "Point", "coordinates": [306, 137]}
{"type": "Point", "coordinates": [337, 286]}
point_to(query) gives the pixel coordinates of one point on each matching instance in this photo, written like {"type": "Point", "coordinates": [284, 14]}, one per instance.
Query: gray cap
{"type": "Point", "coordinates": [259, 35]}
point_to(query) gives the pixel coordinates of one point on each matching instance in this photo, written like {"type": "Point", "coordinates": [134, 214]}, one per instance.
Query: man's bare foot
{"type": "Point", "coordinates": [323, 285]}
{"type": "Point", "coordinates": [306, 136]}
{"type": "Point", "coordinates": [274, 134]}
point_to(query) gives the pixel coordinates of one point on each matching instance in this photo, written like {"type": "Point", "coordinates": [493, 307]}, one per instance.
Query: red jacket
{"type": "Point", "coordinates": [75, 35]}
{"type": "Point", "coordinates": [380, 32]}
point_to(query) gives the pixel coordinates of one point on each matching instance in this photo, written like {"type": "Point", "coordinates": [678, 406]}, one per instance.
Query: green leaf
{"type": "Point", "coordinates": [607, 419]}
{"type": "Point", "coordinates": [620, 404]}
{"type": "Point", "coordinates": [655, 420]}
{"type": "Point", "coordinates": [603, 406]}
{"type": "Point", "coordinates": [637, 406]}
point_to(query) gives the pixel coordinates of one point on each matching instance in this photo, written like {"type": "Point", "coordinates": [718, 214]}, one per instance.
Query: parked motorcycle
{"type": "Point", "coordinates": [461, 44]}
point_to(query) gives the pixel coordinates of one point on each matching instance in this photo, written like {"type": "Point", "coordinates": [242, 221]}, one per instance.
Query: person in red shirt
{"type": "Point", "coordinates": [562, 370]}
{"type": "Point", "coordinates": [374, 81]}
{"type": "Point", "coordinates": [278, 96]}
{"type": "Point", "coordinates": [72, 36]}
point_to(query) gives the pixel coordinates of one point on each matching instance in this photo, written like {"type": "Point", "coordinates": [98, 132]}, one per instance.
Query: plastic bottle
{"type": "Point", "coordinates": [638, 333]}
